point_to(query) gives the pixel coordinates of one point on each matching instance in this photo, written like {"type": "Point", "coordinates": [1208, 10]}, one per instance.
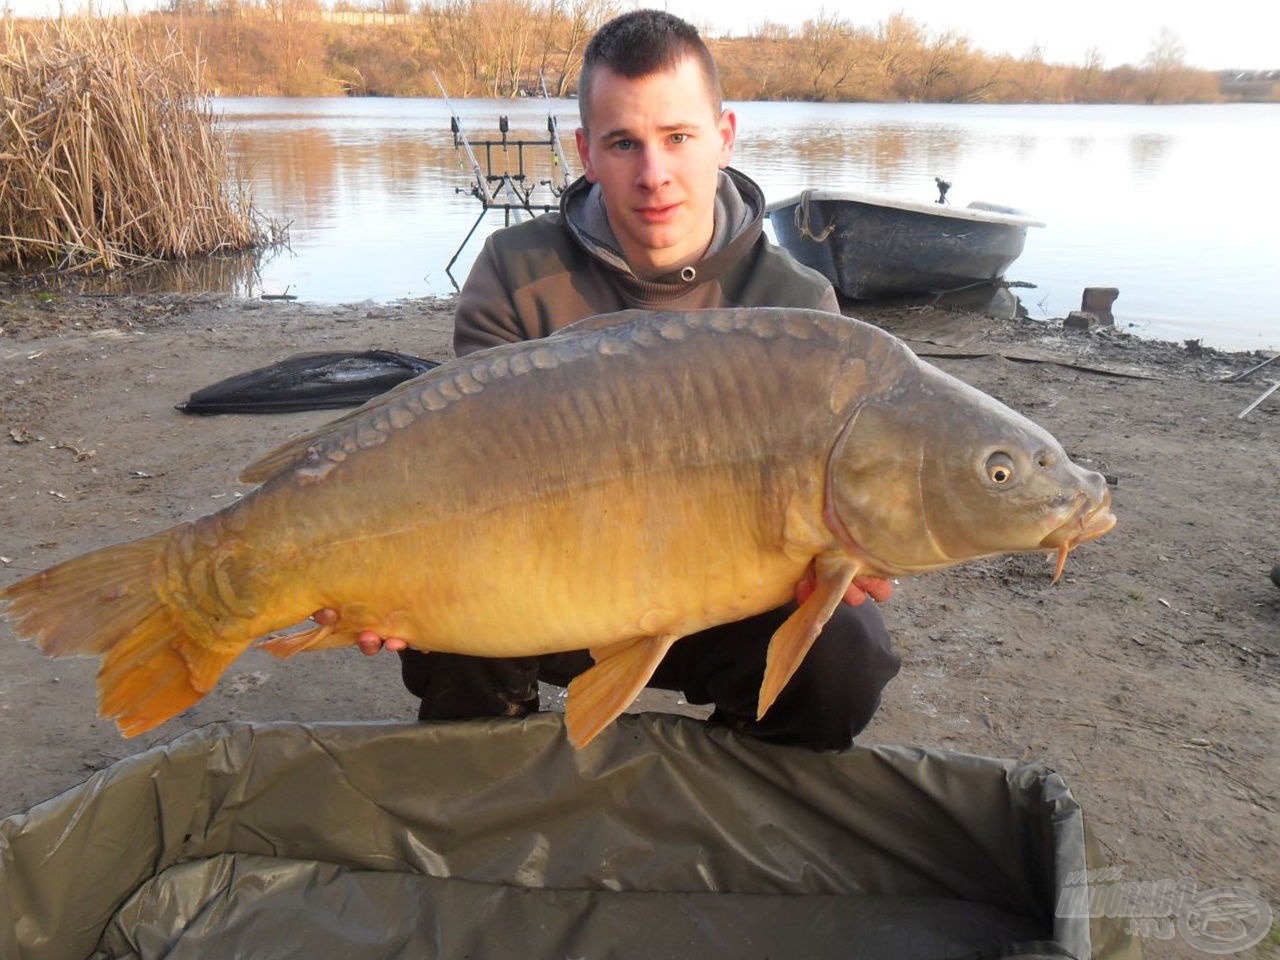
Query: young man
{"type": "Point", "coordinates": [659, 221]}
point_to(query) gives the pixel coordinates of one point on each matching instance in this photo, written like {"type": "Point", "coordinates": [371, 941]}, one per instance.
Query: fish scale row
{"type": "Point", "coordinates": [451, 382]}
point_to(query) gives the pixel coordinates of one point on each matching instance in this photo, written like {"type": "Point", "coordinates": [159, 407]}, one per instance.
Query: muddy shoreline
{"type": "Point", "coordinates": [1149, 677]}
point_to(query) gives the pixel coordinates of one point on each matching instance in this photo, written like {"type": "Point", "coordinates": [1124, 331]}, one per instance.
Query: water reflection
{"type": "Point", "coordinates": [1146, 153]}
{"type": "Point", "coordinates": [1025, 147]}
{"type": "Point", "coordinates": [378, 197]}
{"type": "Point", "coordinates": [238, 274]}
{"type": "Point", "coordinates": [886, 157]}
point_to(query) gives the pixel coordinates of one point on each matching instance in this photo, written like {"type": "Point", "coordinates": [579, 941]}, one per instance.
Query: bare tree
{"type": "Point", "coordinates": [1165, 64]}
{"type": "Point", "coordinates": [942, 58]}
{"type": "Point", "coordinates": [900, 41]}
{"type": "Point", "coordinates": [452, 25]}
{"type": "Point", "coordinates": [1089, 75]}
{"type": "Point", "coordinates": [772, 30]}
{"type": "Point", "coordinates": [584, 17]}
{"type": "Point", "coordinates": [499, 47]}
{"type": "Point", "coordinates": [827, 39]}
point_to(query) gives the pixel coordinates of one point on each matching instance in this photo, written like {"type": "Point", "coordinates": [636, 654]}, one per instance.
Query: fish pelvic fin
{"type": "Point", "coordinates": [104, 603]}
{"type": "Point", "coordinates": [833, 574]}
{"type": "Point", "coordinates": [598, 695]}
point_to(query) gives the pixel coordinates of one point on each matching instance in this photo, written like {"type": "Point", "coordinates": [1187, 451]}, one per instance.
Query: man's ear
{"type": "Point", "coordinates": [728, 127]}
{"type": "Point", "coordinates": [584, 154]}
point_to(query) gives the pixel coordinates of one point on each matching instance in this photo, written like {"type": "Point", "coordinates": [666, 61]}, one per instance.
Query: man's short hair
{"type": "Point", "coordinates": [642, 43]}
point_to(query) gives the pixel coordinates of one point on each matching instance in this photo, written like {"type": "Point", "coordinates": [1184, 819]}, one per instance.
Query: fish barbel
{"type": "Point", "coordinates": [628, 481]}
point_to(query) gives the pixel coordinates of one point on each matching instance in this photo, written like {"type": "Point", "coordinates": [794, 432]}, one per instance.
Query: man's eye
{"type": "Point", "coordinates": [623, 144]}
{"type": "Point", "coordinates": [679, 137]}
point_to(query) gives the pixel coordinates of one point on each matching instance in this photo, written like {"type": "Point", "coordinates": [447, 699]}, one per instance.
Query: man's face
{"type": "Point", "coordinates": [656, 146]}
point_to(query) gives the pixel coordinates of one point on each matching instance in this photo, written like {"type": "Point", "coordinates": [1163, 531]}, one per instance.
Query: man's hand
{"type": "Point", "coordinates": [858, 592]}
{"type": "Point", "coordinates": [368, 641]}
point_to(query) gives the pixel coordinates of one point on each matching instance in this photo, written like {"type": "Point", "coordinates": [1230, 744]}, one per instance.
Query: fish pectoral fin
{"type": "Point", "coordinates": [319, 637]}
{"type": "Point", "coordinates": [833, 574]}
{"type": "Point", "coordinates": [599, 654]}
{"type": "Point", "coordinates": [598, 695]}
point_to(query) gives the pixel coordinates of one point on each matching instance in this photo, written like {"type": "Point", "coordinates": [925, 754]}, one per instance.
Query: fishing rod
{"type": "Point", "coordinates": [460, 140]}
{"type": "Point", "coordinates": [553, 128]}
{"type": "Point", "coordinates": [508, 192]}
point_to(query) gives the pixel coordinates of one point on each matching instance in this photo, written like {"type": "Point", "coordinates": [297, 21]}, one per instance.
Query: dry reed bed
{"type": "Point", "coordinates": [108, 151]}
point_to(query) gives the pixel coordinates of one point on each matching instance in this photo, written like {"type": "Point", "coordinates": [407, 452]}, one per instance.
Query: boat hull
{"type": "Point", "coordinates": [873, 249]}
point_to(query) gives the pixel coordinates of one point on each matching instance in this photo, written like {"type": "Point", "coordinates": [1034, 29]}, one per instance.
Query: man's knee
{"type": "Point", "coordinates": [834, 692]}
{"type": "Point", "coordinates": [454, 687]}
{"type": "Point", "coordinates": [853, 651]}
{"type": "Point", "coordinates": [837, 688]}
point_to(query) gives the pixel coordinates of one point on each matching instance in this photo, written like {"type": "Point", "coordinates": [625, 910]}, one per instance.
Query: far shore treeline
{"type": "Point", "coordinates": [499, 48]}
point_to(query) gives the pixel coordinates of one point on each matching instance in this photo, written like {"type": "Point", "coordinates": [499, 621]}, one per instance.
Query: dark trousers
{"type": "Point", "coordinates": [831, 697]}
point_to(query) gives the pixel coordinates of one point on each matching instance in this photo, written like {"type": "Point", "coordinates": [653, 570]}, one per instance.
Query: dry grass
{"type": "Point", "coordinates": [108, 151]}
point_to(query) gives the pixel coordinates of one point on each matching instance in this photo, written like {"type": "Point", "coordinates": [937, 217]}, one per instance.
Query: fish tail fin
{"type": "Point", "coordinates": [105, 604]}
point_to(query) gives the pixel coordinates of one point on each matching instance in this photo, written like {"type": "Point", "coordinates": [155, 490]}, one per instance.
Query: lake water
{"type": "Point", "coordinates": [1178, 207]}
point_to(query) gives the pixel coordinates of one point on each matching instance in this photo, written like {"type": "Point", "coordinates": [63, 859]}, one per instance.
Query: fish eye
{"type": "Point", "coordinates": [999, 468]}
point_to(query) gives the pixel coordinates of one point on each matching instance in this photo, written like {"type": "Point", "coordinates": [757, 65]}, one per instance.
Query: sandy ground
{"type": "Point", "coordinates": [1148, 677]}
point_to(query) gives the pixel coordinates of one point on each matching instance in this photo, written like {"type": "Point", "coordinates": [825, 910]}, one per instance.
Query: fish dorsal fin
{"type": "Point", "coordinates": [600, 321]}
{"type": "Point", "coordinates": [371, 424]}
{"type": "Point", "coordinates": [598, 695]}
{"type": "Point", "coordinates": [834, 573]}
{"type": "Point", "coordinates": [295, 450]}
{"type": "Point", "coordinates": [367, 425]}
{"type": "Point", "coordinates": [615, 333]}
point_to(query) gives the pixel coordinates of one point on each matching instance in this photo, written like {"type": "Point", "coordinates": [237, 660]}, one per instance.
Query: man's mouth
{"type": "Point", "coordinates": [658, 214]}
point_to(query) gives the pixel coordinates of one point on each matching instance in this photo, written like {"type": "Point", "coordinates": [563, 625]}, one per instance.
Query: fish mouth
{"type": "Point", "coordinates": [1087, 524]}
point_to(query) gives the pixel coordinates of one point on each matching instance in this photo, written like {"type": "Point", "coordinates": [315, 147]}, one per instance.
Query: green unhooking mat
{"type": "Point", "coordinates": [663, 838]}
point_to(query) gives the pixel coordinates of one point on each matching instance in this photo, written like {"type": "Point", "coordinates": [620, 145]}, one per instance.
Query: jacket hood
{"type": "Point", "coordinates": [739, 221]}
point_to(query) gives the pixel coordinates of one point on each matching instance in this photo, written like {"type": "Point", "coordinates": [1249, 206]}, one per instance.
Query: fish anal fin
{"type": "Point", "coordinates": [345, 631]}
{"type": "Point", "coordinates": [320, 637]}
{"type": "Point", "coordinates": [597, 696]}
{"type": "Point", "coordinates": [833, 574]}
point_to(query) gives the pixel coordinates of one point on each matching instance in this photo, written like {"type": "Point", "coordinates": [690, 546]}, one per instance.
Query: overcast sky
{"type": "Point", "coordinates": [1216, 34]}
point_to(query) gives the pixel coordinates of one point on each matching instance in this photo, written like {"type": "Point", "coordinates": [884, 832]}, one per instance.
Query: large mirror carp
{"type": "Point", "coordinates": [625, 482]}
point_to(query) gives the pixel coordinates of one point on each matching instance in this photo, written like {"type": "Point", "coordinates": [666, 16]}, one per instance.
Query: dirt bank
{"type": "Point", "coordinates": [1148, 676]}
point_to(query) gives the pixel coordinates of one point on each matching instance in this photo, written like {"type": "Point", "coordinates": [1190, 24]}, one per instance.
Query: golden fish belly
{"type": "Point", "coordinates": [590, 565]}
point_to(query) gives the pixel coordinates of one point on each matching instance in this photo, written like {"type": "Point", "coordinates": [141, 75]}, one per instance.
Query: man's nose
{"type": "Point", "coordinates": [653, 172]}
